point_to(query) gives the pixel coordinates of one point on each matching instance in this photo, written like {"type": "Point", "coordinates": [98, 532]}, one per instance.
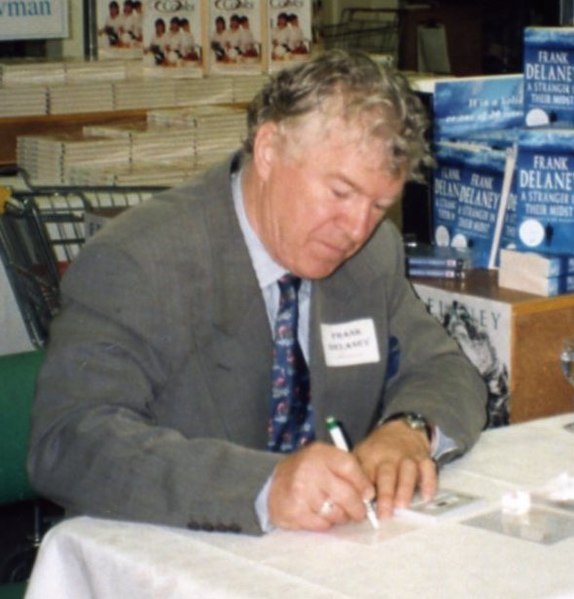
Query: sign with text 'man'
{"type": "Point", "coordinates": [33, 19]}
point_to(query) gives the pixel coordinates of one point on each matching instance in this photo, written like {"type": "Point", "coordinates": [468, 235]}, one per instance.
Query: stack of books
{"type": "Point", "coordinates": [431, 261]}
{"type": "Point", "coordinates": [540, 274]}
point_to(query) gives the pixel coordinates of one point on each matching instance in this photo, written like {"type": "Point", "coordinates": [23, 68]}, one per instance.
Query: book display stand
{"type": "Point", "coordinates": [513, 338]}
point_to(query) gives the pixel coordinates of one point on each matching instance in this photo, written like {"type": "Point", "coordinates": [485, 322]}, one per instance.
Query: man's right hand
{"type": "Point", "coordinates": [316, 476]}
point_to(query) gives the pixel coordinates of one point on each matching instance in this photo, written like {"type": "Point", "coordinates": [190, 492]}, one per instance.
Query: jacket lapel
{"type": "Point", "coordinates": [241, 342]}
{"type": "Point", "coordinates": [339, 299]}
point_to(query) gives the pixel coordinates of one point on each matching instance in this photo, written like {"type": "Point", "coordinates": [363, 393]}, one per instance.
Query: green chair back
{"type": "Point", "coordinates": [18, 374]}
{"type": "Point", "coordinates": [13, 590]}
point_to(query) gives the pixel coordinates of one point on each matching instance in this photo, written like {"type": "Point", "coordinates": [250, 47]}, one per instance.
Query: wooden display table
{"type": "Point", "coordinates": [514, 338]}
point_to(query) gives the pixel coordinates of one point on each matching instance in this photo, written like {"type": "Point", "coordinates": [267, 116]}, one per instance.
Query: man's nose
{"type": "Point", "coordinates": [359, 220]}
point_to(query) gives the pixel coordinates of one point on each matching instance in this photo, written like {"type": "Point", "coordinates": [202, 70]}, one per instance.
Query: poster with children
{"type": "Point", "coordinates": [172, 35]}
{"type": "Point", "coordinates": [289, 31]}
{"type": "Point", "coordinates": [235, 40]}
{"type": "Point", "coordinates": [119, 24]}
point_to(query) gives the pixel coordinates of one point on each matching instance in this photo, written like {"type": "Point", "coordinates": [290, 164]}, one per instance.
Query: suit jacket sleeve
{"type": "Point", "coordinates": [421, 369]}
{"type": "Point", "coordinates": [149, 405]}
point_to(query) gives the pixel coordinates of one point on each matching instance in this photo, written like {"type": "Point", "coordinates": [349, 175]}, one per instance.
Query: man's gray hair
{"type": "Point", "coordinates": [378, 95]}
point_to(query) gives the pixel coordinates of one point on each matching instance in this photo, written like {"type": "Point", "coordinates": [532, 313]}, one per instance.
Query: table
{"type": "Point", "coordinates": [87, 557]}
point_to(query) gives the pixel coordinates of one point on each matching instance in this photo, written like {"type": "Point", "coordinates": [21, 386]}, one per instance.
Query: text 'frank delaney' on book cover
{"type": "Point", "coordinates": [545, 183]}
{"type": "Point", "coordinates": [468, 184]}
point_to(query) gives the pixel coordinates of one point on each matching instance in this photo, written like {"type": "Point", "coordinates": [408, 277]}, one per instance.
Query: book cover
{"type": "Point", "coordinates": [481, 326]}
{"type": "Point", "coordinates": [522, 280]}
{"type": "Point", "coordinates": [236, 36]}
{"type": "Point", "coordinates": [467, 191]}
{"type": "Point", "coordinates": [289, 31]}
{"type": "Point", "coordinates": [548, 75]}
{"type": "Point", "coordinates": [538, 265]}
{"type": "Point", "coordinates": [477, 104]}
{"type": "Point", "coordinates": [120, 28]}
{"type": "Point", "coordinates": [172, 36]}
{"type": "Point", "coordinates": [545, 187]}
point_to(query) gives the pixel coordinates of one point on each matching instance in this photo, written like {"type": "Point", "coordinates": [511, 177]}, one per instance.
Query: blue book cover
{"type": "Point", "coordinates": [545, 184]}
{"type": "Point", "coordinates": [465, 106]}
{"type": "Point", "coordinates": [468, 185]}
{"type": "Point", "coordinates": [548, 75]}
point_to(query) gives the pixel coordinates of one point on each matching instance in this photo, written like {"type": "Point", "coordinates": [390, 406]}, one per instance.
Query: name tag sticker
{"type": "Point", "coordinates": [350, 343]}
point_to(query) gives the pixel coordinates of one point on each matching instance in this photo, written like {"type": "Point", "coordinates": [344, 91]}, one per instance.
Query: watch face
{"type": "Point", "coordinates": [415, 421]}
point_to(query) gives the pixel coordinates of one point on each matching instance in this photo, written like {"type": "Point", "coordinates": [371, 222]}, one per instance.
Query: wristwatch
{"type": "Point", "coordinates": [415, 421]}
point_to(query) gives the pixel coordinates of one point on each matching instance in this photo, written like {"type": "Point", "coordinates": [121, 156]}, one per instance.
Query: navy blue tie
{"type": "Point", "coordinates": [291, 422]}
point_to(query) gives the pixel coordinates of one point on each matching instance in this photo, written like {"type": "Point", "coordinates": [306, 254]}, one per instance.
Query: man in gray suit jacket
{"type": "Point", "coordinates": [153, 402]}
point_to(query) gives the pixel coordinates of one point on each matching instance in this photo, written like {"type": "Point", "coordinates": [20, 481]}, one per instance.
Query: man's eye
{"type": "Point", "coordinates": [341, 193]}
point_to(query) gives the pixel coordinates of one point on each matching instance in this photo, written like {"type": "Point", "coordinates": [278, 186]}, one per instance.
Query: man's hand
{"type": "Point", "coordinates": [305, 480]}
{"type": "Point", "coordinates": [397, 461]}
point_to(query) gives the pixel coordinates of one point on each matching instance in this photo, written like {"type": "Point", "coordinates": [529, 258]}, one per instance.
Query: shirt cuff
{"type": "Point", "coordinates": [261, 508]}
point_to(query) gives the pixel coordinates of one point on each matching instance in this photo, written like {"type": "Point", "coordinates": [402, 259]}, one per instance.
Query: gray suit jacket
{"type": "Point", "coordinates": [153, 400]}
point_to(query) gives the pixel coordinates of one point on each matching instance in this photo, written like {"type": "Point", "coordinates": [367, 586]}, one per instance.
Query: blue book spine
{"type": "Point", "coordinates": [545, 183]}
{"type": "Point", "coordinates": [559, 266]}
{"type": "Point", "coordinates": [548, 75]}
{"type": "Point", "coordinates": [436, 273]}
{"type": "Point", "coordinates": [436, 262]}
{"type": "Point", "coordinates": [558, 285]}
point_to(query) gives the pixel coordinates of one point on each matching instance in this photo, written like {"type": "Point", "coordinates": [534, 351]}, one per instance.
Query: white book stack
{"type": "Point", "coordinates": [134, 174]}
{"type": "Point", "coordinates": [540, 274]}
{"type": "Point", "coordinates": [23, 100]}
{"type": "Point", "coordinates": [246, 87]}
{"type": "Point", "coordinates": [143, 94]}
{"type": "Point", "coordinates": [31, 73]}
{"type": "Point", "coordinates": [48, 158]}
{"type": "Point", "coordinates": [210, 90]}
{"type": "Point", "coordinates": [81, 98]}
{"type": "Point", "coordinates": [218, 130]}
{"type": "Point", "coordinates": [85, 71]}
{"type": "Point", "coordinates": [150, 142]}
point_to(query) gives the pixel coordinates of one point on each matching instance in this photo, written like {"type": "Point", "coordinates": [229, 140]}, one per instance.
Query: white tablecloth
{"type": "Point", "coordinates": [86, 557]}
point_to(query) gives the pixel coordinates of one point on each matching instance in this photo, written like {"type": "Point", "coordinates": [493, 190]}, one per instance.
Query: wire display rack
{"type": "Point", "coordinates": [42, 229]}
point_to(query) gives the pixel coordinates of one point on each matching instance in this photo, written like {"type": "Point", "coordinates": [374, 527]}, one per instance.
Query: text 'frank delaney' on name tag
{"type": "Point", "coordinates": [350, 343]}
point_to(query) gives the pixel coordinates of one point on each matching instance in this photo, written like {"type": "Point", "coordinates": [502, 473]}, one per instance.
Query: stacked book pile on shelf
{"type": "Point", "coordinates": [48, 159]}
{"type": "Point", "coordinates": [541, 274]}
{"type": "Point", "coordinates": [216, 129]}
{"type": "Point", "coordinates": [172, 146]}
{"type": "Point", "coordinates": [431, 261]}
{"type": "Point", "coordinates": [72, 87]}
{"type": "Point", "coordinates": [503, 185]}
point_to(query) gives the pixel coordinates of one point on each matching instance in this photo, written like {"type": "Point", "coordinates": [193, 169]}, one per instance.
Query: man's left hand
{"type": "Point", "coordinates": [397, 460]}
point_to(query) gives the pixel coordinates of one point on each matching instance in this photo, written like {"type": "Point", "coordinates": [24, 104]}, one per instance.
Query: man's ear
{"type": "Point", "coordinates": [265, 148]}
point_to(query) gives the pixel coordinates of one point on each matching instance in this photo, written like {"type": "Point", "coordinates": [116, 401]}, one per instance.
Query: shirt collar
{"type": "Point", "coordinates": [267, 270]}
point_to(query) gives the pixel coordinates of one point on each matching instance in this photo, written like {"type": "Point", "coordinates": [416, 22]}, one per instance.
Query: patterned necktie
{"type": "Point", "coordinates": [291, 420]}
